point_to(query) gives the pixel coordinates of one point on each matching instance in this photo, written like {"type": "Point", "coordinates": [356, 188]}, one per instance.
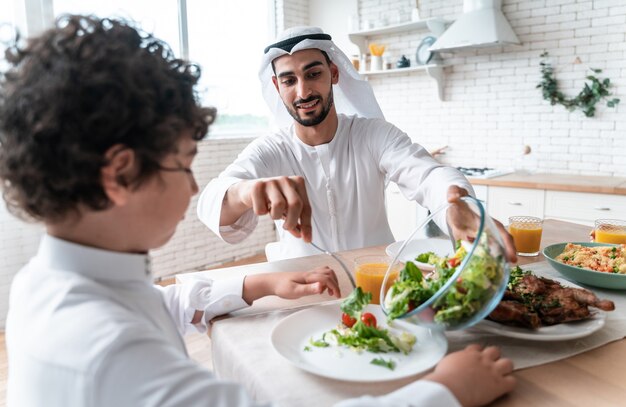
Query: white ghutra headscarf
{"type": "Point", "coordinates": [352, 94]}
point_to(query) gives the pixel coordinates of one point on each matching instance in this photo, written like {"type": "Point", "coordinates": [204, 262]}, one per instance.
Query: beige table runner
{"type": "Point", "coordinates": [242, 352]}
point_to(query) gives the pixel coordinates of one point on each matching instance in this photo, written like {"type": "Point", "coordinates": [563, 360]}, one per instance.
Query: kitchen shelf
{"type": "Point", "coordinates": [435, 71]}
{"type": "Point", "coordinates": [435, 25]}
{"type": "Point", "coordinates": [403, 70]}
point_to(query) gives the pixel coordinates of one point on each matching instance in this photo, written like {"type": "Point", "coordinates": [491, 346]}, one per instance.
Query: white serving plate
{"type": "Point", "coordinates": [292, 335]}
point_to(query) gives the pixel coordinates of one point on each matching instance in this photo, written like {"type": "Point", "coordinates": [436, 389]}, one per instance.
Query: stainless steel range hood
{"type": "Point", "coordinates": [482, 24]}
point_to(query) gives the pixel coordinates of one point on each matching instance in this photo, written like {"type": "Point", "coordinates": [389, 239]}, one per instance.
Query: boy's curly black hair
{"type": "Point", "coordinates": [75, 91]}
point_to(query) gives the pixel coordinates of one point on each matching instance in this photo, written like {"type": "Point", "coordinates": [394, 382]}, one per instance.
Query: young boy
{"type": "Point", "coordinates": [98, 129]}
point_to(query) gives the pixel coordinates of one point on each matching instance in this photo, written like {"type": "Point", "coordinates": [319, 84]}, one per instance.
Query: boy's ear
{"type": "Point", "coordinates": [275, 82]}
{"type": "Point", "coordinates": [119, 167]}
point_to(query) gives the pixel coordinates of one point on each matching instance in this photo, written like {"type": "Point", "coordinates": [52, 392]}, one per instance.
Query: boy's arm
{"type": "Point", "coordinates": [132, 375]}
{"type": "Point", "coordinates": [418, 393]}
{"type": "Point", "coordinates": [291, 285]}
{"type": "Point", "coordinates": [194, 304]}
{"type": "Point", "coordinates": [471, 377]}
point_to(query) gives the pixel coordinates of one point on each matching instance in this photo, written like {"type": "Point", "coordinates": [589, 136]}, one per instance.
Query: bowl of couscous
{"type": "Point", "coordinates": [595, 264]}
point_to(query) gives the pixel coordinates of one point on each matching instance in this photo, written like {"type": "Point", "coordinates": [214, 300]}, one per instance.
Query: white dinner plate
{"type": "Point", "coordinates": [559, 332]}
{"type": "Point", "coordinates": [416, 247]}
{"type": "Point", "coordinates": [291, 336]}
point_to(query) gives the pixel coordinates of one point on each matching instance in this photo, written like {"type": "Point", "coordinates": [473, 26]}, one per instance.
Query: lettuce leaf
{"type": "Point", "coordinates": [355, 302]}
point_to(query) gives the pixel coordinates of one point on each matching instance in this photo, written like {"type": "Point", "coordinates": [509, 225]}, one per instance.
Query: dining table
{"type": "Point", "coordinates": [576, 372]}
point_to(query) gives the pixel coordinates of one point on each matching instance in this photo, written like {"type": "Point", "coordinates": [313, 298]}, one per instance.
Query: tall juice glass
{"type": "Point", "coordinates": [610, 231]}
{"type": "Point", "coordinates": [526, 232]}
{"type": "Point", "coordinates": [369, 273]}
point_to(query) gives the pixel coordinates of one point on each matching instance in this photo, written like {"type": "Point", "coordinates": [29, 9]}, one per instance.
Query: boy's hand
{"type": "Point", "coordinates": [475, 376]}
{"type": "Point", "coordinates": [291, 285]}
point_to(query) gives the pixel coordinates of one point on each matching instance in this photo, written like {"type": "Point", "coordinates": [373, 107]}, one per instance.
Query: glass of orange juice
{"type": "Point", "coordinates": [369, 273]}
{"type": "Point", "coordinates": [610, 231]}
{"type": "Point", "coordinates": [526, 232]}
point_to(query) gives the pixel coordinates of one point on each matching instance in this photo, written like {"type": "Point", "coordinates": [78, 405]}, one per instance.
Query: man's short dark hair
{"type": "Point", "coordinates": [78, 89]}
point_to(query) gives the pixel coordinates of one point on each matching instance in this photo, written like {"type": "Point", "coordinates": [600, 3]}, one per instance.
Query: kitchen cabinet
{"type": "Point", "coordinates": [573, 198]}
{"type": "Point", "coordinates": [570, 197]}
{"type": "Point", "coordinates": [584, 207]}
{"type": "Point", "coordinates": [503, 202]}
{"type": "Point", "coordinates": [403, 215]}
{"type": "Point", "coordinates": [434, 70]}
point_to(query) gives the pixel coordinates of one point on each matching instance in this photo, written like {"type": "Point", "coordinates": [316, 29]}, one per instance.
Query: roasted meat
{"type": "Point", "coordinates": [531, 301]}
{"type": "Point", "coordinates": [508, 311]}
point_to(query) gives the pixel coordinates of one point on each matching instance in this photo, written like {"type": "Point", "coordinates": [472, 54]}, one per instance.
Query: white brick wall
{"type": "Point", "coordinates": [18, 243]}
{"type": "Point", "coordinates": [492, 109]}
{"type": "Point", "coordinates": [291, 13]}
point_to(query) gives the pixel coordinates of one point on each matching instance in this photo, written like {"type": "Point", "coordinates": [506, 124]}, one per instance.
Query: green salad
{"type": "Point", "coordinates": [476, 285]}
{"type": "Point", "coordinates": [360, 332]}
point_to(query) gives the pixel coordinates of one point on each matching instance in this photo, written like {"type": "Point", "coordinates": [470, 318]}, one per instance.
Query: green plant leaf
{"type": "Point", "coordinates": [593, 91]}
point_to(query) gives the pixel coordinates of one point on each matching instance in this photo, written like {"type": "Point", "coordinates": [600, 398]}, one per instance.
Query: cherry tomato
{"type": "Point", "coordinates": [368, 319]}
{"type": "Point", "coordinates": [411, 305]}
{"type": "Point", "coordinates": [453, 262]}
{"type": "Point", "coordinates": [347, 320]}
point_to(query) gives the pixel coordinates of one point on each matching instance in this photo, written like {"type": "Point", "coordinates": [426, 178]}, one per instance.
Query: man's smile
{"type": "Point", "coordinates": [308, 104]}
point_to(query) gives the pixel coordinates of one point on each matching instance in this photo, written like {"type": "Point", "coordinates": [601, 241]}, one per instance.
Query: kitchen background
{"type": "Point", "coordinates": [489, 112]}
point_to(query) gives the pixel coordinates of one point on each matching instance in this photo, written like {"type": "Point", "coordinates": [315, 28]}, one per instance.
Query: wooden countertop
{"type": "Point", "coordinates": [558, 182]}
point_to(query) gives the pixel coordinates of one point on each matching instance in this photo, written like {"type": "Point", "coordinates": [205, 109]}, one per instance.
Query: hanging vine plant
{"type": "Point", "coordinates": [592, 93]}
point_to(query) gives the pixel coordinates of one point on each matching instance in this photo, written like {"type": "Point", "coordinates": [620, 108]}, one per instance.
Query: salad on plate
{"type": "Point", "coordinates": [359, 331]}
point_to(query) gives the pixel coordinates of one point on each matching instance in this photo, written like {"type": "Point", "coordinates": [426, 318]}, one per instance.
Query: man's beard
{"type": "Point", "coordinates": [311, 121]}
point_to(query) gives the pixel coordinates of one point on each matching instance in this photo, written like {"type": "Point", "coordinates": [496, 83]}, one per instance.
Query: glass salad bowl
{"type": "Point", "coordinates": [457, 284]}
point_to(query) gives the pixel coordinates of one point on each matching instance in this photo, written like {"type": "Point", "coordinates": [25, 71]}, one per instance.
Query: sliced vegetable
{"type": "Point", "coordinates": [362, 337]}
{"type": "Point", "coordinates": [347, 320]}
{"type": "Point", "coordinates": [453, 262]}
{"type": "Point", "coordinates": [321, 343]}
{"type": "Point", "coordinates": [389, 364]}
{"type": "Point", "coordinates": [369, 319]}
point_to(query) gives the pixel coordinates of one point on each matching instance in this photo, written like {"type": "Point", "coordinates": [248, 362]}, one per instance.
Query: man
{"type": "Point", "coordinates": [323, 177]}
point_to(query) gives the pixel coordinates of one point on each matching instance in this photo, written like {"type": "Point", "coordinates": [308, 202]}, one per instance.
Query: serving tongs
{"type": "Point", "coordinates": [341, 263]}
